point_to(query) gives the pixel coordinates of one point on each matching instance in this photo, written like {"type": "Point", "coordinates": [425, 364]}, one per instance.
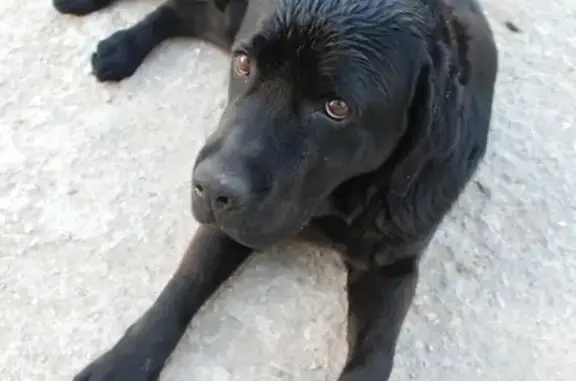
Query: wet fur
{"type": "Point", "coordinates": [431, 67]}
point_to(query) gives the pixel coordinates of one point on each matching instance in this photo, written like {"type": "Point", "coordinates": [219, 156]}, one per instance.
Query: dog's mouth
{"type": "Point", "coordinates": [259, 239]}
{"type": "Point", "coordinates": [256, 226]}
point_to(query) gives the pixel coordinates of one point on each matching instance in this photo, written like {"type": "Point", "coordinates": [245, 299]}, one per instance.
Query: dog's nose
{"type": "Point", "coordinates": [222, 192]}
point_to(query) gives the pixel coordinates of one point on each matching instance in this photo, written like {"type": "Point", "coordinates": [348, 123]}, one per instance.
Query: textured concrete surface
{"type": "Point", "coordinates": [94, 216]}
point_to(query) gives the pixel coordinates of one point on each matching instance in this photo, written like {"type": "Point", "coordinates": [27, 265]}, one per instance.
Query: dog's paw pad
{"type": "Point", "coordinates": [117, 57]}
{"type": "Point", "coordinates": [79, 7]}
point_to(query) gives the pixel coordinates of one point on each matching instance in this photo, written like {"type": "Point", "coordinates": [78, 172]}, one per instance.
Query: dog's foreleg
{"type": "Point", "coordinates": [141, 353]}
{"type": "Point", "coordinates": [378, 303]}
{"type": "Point", "coordinates": [119, 56]}
{"type": "Point", "coordinates": [80, 7]}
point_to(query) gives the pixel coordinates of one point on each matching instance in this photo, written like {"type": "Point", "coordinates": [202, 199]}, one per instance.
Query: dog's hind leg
{"type": "Point", "coordinates": [80, 7]}
{"type": "Point", "coordinates": [216, 21]}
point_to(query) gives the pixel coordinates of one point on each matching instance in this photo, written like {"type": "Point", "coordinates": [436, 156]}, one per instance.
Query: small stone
{"type": "Point", "coordinates": [483, 189]}
{"type": "Point", "coordinates": [512, 27]}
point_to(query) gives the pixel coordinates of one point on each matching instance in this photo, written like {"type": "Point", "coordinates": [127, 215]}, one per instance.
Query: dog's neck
{"type": "Point", "coordinates": [350, 199]}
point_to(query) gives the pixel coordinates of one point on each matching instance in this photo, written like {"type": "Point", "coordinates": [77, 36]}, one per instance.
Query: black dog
{"type": "Point", "coordinates": [360, 121]}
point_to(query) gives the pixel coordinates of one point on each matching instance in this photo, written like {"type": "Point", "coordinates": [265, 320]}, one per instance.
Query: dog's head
{"type": "Point", "coordinates": [323, 91]}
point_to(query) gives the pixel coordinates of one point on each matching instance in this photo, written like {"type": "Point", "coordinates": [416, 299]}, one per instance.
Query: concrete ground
{"type": "Point", "coordinates": [94, 216]}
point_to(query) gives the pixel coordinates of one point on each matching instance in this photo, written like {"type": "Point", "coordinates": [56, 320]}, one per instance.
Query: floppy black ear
{"type": "Point", "coordinates": [431, 131]}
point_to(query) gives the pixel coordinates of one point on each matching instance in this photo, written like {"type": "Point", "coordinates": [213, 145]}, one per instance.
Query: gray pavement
{"type": "Point", "coordinates": [94, 215]}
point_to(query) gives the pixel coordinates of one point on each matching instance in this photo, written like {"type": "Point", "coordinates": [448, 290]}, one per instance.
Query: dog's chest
{"type": "Point", "coordinates": [364, 243]}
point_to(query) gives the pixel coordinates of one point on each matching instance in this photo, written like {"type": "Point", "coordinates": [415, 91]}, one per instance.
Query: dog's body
{"type": "Point", "coordinates": [355, 122]}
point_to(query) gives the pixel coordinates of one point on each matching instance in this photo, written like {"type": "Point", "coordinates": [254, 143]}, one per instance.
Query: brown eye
{"type": "Point", "coordinates": [337, 109]}
{"type": "Point", "coordinates": [243, 64]}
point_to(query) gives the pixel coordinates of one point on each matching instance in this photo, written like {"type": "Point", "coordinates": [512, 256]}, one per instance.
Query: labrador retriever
{"type": "Point", "coordinates": [355, 123]}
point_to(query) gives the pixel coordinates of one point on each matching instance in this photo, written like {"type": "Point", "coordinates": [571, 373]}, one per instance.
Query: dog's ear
{"type": "Point", "coordinates": [435, 110]}
{"type": "Point", "coordinates": [432, 127]}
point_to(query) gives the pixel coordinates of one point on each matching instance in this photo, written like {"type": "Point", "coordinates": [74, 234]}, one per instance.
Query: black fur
{"type": "Point", "coordinates": [418, 76]}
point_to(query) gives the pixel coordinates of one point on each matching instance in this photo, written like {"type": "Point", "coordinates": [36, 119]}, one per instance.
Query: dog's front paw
{"type": "Point", "coordinates": [117, 57]}
{"type": "Point", "coordinates": [79, 7]}
{"type": "Point", "coordinates": [123, 363]}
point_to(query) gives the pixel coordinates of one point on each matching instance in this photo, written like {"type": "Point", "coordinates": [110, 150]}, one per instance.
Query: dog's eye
{"type": "Point", "coordinates": [242, 64]}
{"type": "Point", "coordinates": [337, 109]}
